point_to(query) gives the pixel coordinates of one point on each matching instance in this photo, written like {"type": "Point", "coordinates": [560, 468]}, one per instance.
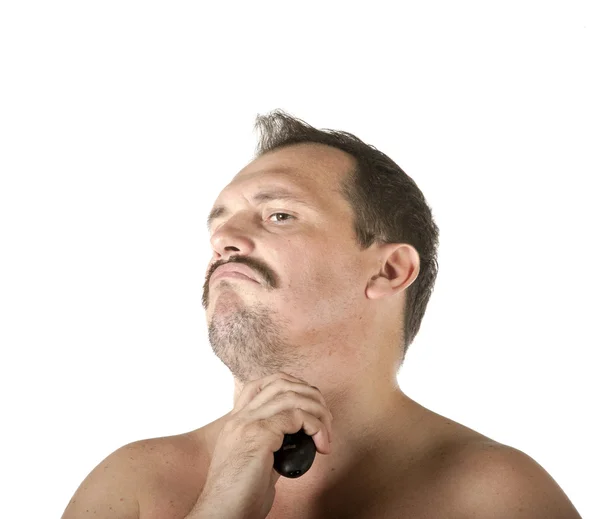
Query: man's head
{"type": "Point", "coordinates": [353, 262]}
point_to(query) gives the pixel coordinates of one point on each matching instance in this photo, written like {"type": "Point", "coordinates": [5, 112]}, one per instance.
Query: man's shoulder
{"type": "Point", "coordinates": [151, 452]}
{"type": "Point", "coordinates": [466, 472]}
{"type": "Point", "coordinates": [491, 480]}
{"type": "Point", "coordinates": [169, 472]}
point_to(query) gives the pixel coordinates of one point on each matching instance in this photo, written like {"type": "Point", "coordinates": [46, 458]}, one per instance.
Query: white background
{"type": "Point", "coordinates": [120, 122]}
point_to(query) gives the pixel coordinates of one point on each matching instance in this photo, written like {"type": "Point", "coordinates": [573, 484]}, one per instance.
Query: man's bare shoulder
{"type": "Point", "coordinates": [171, 472]}
{"type": "Point", "coordinates": [139, 479]}
{"type": "Point", "coordinates": [184, 448]}
{"type": "Point", "coordinates": [465, 473]}
{"type": "Point", "coordinates": [489, 479]}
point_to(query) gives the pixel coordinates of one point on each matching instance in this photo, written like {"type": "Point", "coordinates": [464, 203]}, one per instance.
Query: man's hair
{"type": "Point", "coordinates": [388, 205]}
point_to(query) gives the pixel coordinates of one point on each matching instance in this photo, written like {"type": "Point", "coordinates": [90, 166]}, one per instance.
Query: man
{"type": "Point", "coordinates": [341, 249]}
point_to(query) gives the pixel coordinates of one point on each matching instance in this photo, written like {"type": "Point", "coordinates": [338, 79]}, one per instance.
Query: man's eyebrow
{"type": "Point", "coordinates": [261, 197]}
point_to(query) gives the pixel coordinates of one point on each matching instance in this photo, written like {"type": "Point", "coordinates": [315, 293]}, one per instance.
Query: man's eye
{"type": "Point", "coordinates": [285, 214]}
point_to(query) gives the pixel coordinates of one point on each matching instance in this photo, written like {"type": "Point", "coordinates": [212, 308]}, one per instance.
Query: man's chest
{"type": "Point", "coordinates": [422, 505]}
{"type": "Point", "coordinates": [416, 493]}
{"type": "Point", "coordinates": [401, 494]}
{"type": "Point", "coordinates": [396, 489]}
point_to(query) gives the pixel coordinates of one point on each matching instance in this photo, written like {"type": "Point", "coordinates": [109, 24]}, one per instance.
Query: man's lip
{"type": "Point", "coordinates": [231, 274]}
{"type": "Point", "coordinates": [235, 267]}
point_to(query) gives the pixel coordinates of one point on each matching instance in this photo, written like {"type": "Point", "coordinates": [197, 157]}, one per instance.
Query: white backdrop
{"type": "Point", "coordinates": [121, 122]}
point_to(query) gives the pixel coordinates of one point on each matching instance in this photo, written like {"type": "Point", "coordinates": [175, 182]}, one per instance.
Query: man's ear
{"type": "Point", "coordinates": [398, 266]}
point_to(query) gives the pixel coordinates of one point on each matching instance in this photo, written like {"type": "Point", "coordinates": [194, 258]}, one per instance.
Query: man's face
{"type": "Point", "coordinates": [306, 261]}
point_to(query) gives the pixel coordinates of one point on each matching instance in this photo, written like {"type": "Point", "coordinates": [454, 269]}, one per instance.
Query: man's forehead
{"type": "Point", "coordinates": [312, 165]}
{"type": "Point", "coordinates": [281, 179]}
{"type": "Point", "coordinates": [310, 174]}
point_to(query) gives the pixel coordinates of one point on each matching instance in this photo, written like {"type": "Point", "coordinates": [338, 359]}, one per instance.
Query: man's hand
{"type": "Point", "coordinates": [241, 479]}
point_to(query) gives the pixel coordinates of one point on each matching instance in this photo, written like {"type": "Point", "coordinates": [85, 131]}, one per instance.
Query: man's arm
{"type": "Point", "coordinates": [495, 481]}
{"type": "Point", "coordinates": [109, 490]}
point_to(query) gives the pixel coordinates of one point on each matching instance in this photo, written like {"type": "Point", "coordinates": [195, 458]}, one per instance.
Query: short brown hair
{"type": "Point", "coordinates": [388, 205]}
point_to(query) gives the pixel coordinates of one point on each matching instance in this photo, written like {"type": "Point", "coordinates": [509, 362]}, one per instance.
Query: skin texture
{"type": "Point", "coordinates": [322, 310]}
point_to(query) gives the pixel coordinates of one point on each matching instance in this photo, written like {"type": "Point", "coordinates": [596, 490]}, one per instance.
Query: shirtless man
{"type": "Point", "coordinates": [314, 338]}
